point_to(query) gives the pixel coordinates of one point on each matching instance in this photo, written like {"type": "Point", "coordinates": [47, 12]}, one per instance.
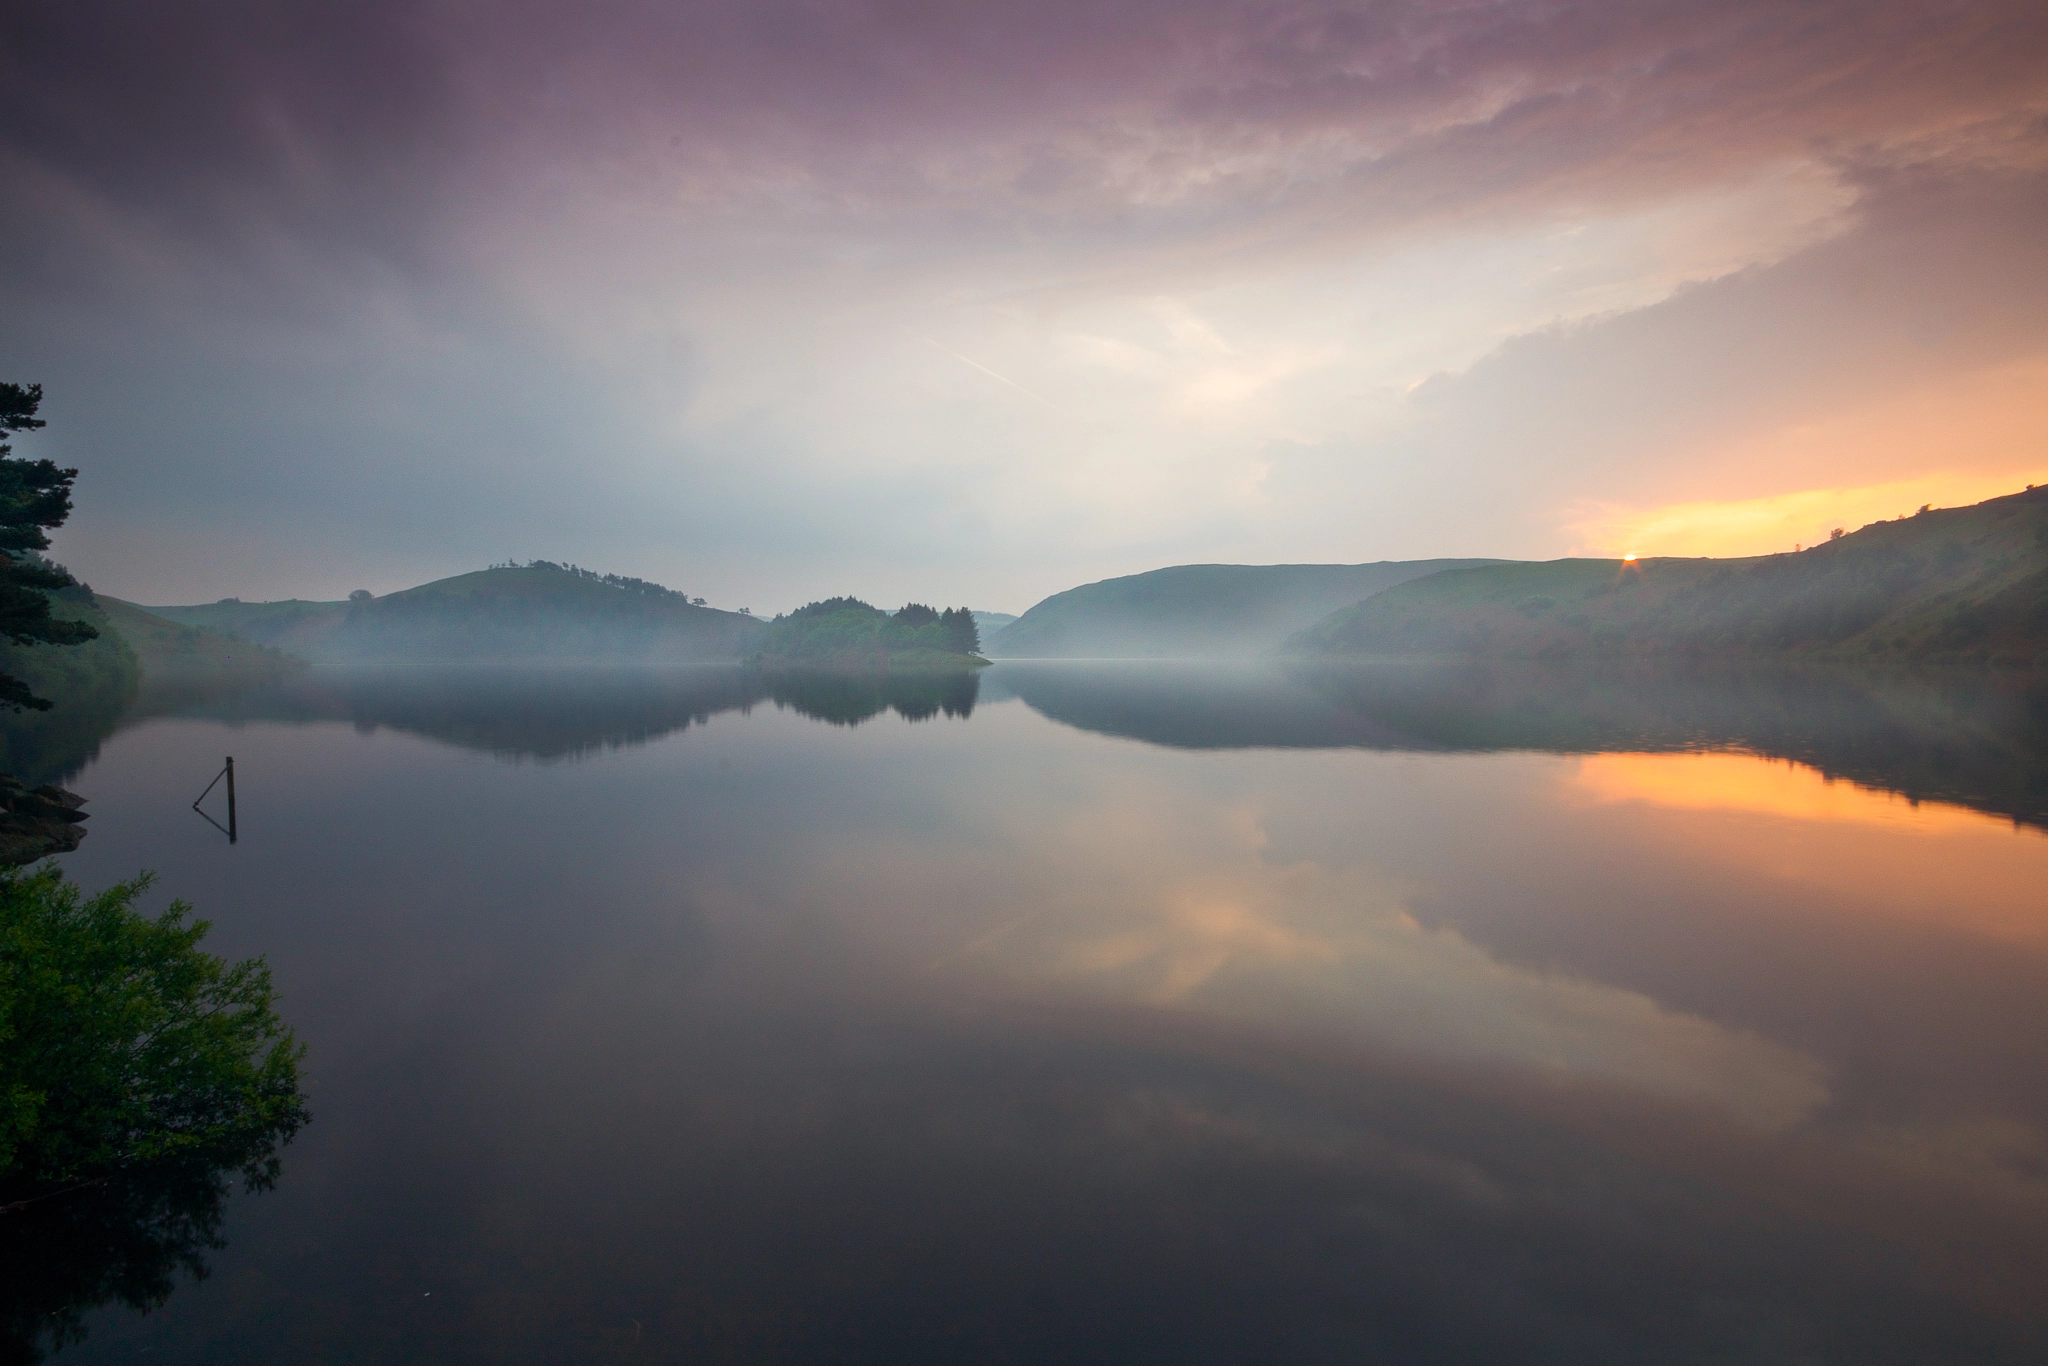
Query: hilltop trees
{"type": "Point", "coordinates": [956, 633]}
{"type": "Point", "coordinates": [35, 496]}
{"type": "Point", "coordinates": [844, 632]}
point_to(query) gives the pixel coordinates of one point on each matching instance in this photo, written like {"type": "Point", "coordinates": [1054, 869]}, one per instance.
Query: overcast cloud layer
{"type": "Point", "coordinates": [979, 301]}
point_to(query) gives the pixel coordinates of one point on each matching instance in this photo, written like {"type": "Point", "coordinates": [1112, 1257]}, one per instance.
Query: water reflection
{"type": "Point", "coordinates": [1977, 740]}
{"type": "Point", "coordinates": [1350, 1016]}
{"type": "Point", "coordinates": [847, 699]}
{"type": "Point", "coordinates": [541, 714]}
{"type": "Point", "coordinates": [1168, 900]}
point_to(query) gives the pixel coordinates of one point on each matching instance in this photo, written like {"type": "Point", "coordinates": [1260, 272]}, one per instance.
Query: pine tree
{"type": "Point", "coordinates": [35, 496]}
{"type": "Point", "coordinates": [962, 637]}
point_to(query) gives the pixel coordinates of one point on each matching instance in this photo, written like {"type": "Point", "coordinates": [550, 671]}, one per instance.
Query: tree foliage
{"type": "Point", "coordinates": [35, 497]}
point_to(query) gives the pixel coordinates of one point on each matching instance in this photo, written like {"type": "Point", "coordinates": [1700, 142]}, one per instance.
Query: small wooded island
{"type": "Point", "coordinates": [846, 633]}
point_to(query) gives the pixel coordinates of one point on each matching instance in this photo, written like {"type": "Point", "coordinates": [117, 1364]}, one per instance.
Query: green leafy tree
{"type": "Point", "coordinates": [138, 1076]}
{"type": "Point", "coordinates": [123, 1044]}
{"type": "Point", "coordinates": [35, 497]}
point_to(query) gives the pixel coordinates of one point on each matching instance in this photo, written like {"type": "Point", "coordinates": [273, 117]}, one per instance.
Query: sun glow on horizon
{"type": "Point", "coordinates": [1765, 526]}
{"type": "Point", "coordinates": [1950, 445]}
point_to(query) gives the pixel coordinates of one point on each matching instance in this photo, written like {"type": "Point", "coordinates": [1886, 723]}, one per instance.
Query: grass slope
{"type": "Point", "coordinates": [294, 625]}
{"type": "Point", "coordinates": [1961, 584]}
{"type": "Point", "coordinates": [1197, 611]}
{"type": "Point", "coordinates": [167, 648]}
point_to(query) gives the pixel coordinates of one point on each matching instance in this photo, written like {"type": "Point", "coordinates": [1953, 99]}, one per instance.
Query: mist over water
{"type": "Point", "coordinates": [1121, 1013]}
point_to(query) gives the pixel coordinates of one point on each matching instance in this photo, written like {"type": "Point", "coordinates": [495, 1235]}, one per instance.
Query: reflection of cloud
{"type": "Point", "coordinates": [1154, 898]}
{"type": "Point", "coordinates": [1189, 942]}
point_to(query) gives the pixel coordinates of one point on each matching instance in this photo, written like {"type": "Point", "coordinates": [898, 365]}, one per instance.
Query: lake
{"type": "Point", "coordinates": [1120, 1013]}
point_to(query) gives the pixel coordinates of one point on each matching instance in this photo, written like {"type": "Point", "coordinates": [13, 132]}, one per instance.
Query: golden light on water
{"type": "Point", "coordinates": [1866, 852]}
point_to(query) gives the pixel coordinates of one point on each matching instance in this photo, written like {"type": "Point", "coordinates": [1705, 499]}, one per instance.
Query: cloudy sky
{"type": "Point", "coordinates": [977, 301]}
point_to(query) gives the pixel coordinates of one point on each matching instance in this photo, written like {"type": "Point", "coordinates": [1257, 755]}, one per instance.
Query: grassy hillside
{"type": "Point", "coordinates": [1961, 584]}
{"type": "Point", "coordinates": [1197, 611]}
{"type": "Point", "coordinates": [495, 615]}
{"type": "Point", "coordinates": [293, 625]}
{"type": "Point", "coordinates": [165, 648]}
{"type": "Point", "coordinates": [88, 684]}
{"type": "Point", "coordinates": [92, 684]}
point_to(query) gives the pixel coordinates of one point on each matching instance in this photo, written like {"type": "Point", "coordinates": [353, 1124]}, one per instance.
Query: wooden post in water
{"type": "Point", "coordinates": [231, 799]}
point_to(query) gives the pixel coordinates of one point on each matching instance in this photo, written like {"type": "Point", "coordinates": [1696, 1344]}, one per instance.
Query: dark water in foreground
{"type": "Point", "coordinates": [1122, 1014]}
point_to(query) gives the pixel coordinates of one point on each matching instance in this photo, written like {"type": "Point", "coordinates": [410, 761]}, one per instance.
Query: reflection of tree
{"type": "Point", "coordinates": [138, 1074]}
{"type": "Point", "coordinates": [849, 697]}
{"type": "Point", "coordinates": [119, 1241]}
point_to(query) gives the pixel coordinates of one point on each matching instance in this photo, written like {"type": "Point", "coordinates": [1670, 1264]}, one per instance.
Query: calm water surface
{"type": "Point", "coordinates": [1121, 1014]}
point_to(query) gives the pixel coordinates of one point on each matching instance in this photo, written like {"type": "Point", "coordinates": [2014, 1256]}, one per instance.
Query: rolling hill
{"type": "Point", "coordinates": [494, 615]}
{"type": "Point", "coordinates": [1958, 584]}
{"type": "Point", "coordinates": [988, 623]}
{"type": "Point", "coordinates": [1198, 611]}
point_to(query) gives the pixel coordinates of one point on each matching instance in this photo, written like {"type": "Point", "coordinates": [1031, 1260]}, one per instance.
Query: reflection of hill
{"type": "Point", "coordinates": [526, 713]}
{"type": "Point", "coordinates": [1981, 741]}
{"type": "Point", "coordinates": [567, 713]}
{"type": "Point", "coordinates": [531, 713]}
